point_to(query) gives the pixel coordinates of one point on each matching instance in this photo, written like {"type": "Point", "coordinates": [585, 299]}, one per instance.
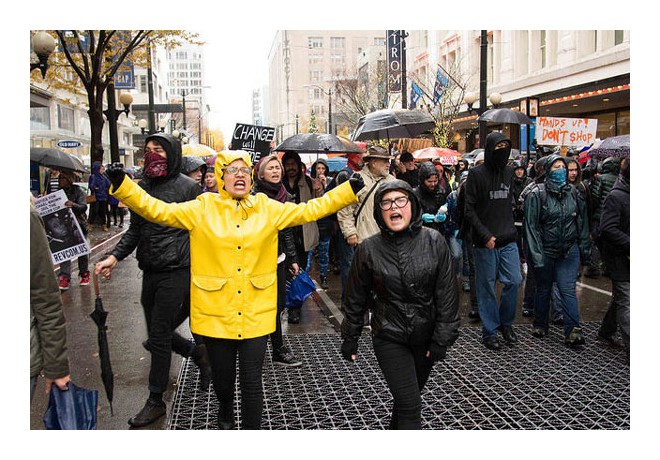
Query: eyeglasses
{"type": "Point", "coordinates": [233, 170]}
{"type": "Point", "coordinates": [400, 202]}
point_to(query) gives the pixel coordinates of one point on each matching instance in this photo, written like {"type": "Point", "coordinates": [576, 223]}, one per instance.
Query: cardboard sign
{"type": "Point", "coordinates": [576, 132]}
{"type": "Point", "coordinates": [65, 238]}
{"type": "Point", "coordinates": [254, 139]}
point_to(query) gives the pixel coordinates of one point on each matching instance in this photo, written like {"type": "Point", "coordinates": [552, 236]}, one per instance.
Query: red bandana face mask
{"type": "Point", "coordinates": [154, 165]}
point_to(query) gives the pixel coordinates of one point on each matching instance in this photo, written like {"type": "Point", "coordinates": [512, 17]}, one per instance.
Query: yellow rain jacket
{"type": "Point", "coordinates": [233, 249]}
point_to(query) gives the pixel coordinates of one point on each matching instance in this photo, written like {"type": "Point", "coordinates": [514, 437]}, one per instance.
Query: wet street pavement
{"type": "Point", "coordinates": [465, 391]}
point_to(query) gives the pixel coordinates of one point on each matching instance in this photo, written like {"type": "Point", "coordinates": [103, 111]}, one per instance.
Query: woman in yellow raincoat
{"type": "Point", "coordinates": [233, 254]}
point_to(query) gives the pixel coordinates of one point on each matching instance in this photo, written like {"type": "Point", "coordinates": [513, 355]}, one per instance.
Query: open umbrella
{"type": "Point", "coordinates": [197, 150]}
{"type": "Point", "coordinates": [392, 124]}
{"type": "Point", "coordinates": [447, 156]}
{"type": "Point", "coordinates": [505, 116]}
{"type": "Point", "coordinates": [318, 143]}
{"type": "Point", "coordinates": [99, 316]}
{"type": "Point", "coordinates": [55, 158]}
{"type": "Point", "coordinates": [616, 146]}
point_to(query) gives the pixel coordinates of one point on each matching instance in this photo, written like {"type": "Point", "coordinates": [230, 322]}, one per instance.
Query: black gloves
{"type": "Point", "coordinates": [357, 183]}
{"type": "Point", "coordinates": [115, 173]}
{"type": "Point", "coordinates": [348, 348]}
{"type": "Point", "coordinates": [437, 352]}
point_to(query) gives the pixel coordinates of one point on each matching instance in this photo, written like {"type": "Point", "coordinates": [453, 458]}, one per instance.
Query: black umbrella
{"type": "Point", "coordinates": [505, 116]}
{"type": "Point", "coordinates": [318, 143]}
{"type": "Point", "coordinates": [391, 123]}
{"type": "Point", "coordinates": [54, 158]}
{"type": "Point", "coordinates": [616, 146]}
{"type": "Point", "coordinates": [99, 316]}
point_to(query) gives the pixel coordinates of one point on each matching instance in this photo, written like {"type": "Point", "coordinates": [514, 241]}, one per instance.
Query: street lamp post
{"type": "Point", "coordinates": [112, 115]}
{"type": "Point", "coordinates": [43, 44]}
{"type": "Point", "coordinates": [483, 76]}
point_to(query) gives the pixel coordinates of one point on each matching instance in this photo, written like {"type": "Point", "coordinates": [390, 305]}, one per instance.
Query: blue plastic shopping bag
{"type": "Point", "coordinates": [72, 409]}
{"type": "Point", "coordinates": [298, 289]}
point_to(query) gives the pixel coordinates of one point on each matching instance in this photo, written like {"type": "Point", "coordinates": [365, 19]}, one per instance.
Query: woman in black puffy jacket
{"type": "Point", "coordinates": [404, 275]}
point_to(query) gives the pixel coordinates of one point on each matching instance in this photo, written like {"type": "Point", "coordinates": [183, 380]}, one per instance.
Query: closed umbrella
{"type": "Point", "coordinates": [99, 316]}
{"type": "Point", "coordinates": [55, 158]}
{"type": "Point", "coordinates": [393, 124]}
{"type": "Point", "coordinates": [446, 155]}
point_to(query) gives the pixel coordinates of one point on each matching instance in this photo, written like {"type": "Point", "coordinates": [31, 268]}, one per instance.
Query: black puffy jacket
{"type": "Point", "coordinates": [430, 200]}
{"type": "Point", "coordinates": [406, 279]}
{"type": "Point", "coordinates": [161, 248]}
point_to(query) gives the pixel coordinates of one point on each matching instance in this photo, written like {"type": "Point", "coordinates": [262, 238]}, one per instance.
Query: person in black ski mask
{"type": "Point", "coordinates": [488, 203]}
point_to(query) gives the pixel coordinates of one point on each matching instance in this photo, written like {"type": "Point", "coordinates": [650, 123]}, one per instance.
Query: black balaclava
{"type": "Point", "coordinates": [496, 159]}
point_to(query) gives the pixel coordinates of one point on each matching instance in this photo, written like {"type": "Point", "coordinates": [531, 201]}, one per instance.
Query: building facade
{"type": "Point", "coordinates": [302, 66]}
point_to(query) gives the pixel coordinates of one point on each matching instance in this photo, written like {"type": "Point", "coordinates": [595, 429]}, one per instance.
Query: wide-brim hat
{"type": "Point", "coordinates": [377, 152]}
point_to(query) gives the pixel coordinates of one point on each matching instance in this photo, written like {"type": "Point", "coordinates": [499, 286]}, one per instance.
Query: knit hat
{"type": "Point", "coordinates": [263, 162]}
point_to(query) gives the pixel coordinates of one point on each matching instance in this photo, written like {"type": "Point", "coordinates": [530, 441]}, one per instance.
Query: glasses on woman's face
{"type": "Point", "coordinates": [233, 170]}
{"type": "Point", "coordinates": [400, 202]}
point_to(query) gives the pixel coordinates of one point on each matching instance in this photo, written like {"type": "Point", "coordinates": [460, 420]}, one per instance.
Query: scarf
{"type": "Point", "coordinates": [274, 191]}
{"type": "Point", "coordinates": [154, 165]}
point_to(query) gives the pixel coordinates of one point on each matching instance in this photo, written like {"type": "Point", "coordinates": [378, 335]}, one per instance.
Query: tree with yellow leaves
{"type": "Point", "coordinates": [87, 61]}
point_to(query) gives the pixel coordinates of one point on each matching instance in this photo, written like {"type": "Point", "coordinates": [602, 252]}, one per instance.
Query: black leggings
{"type": "Point", "coordinates": [251, 352]}
{"type": "Point", "coordinates": [406, 370]}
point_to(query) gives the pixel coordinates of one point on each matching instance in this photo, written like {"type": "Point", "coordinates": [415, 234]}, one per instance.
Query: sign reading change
{"type": "Point", "coordinates": [254, 139]}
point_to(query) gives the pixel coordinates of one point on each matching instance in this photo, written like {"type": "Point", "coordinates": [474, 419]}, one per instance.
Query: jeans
{"type": "Point", "coordinates": [346, 252]}
{"type": "Point", "coordinates": [163, 294]}
{"type": "Point", "coordinates": [559, 270]}
{"type": "Point", "coordinates": [323, 250]}
{"type": "Point", "coordinates": [618, 312]}
{"type": "Point", "coordinates": [501, 264]}
{"type": "Point", "coordinates": [455, 250]}
{"type": "Point", "coordinates": [83, 266]}
{"type": "Point", "coordinates": [251, 352]}
{"type": "Point", "coordinates": [406, 370]}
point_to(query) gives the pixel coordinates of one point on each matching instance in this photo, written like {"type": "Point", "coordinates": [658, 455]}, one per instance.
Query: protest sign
{"type": "Point", "coordinates": [575, 132]}
{"type": "Point", "coordinates": [254, 139]}
{"type": "Point", "coordinates": [65, 238]}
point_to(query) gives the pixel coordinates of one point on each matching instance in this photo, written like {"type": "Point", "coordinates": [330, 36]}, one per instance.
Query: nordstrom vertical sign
{"type": "Point", "coordinates": [394, 60]}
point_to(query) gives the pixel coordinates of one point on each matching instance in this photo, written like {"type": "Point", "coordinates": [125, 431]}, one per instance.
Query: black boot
{"type": "Point", "coordinates": [153, 409]}
{"type": "Point", "coordinates": [324, 282]}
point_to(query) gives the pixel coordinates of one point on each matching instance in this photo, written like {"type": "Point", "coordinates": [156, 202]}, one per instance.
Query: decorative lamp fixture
{"type": "Point", "coordinates": [43, 44]}
{"type": "Point", "coordinates": [142, 124]}
{"type": "Point", "coordinates": [470, 98]}
{"type": "Point", "coordinates": [126, 100]}
{"type": "Point", "coordinates": [495, 99]}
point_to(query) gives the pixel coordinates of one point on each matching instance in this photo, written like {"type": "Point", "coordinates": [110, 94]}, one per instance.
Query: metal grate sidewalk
{"type": "Point", "coordinates": [539, 384]}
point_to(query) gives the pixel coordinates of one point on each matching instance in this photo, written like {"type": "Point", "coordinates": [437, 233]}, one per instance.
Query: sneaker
{"type": "Point", "coordinates": [509, 336]}
{"type": "Point", "coordinates": [559, 321]}
{"type": "Point", "coordinates": [121, 225]}
{"type": "Point", "coordinates": [492, 343]}
{"type": "Point", "coordinates": [466, 287]}
{"type": "Point", "coordinates": [284, 357]}
{"type": "Point", "coordinates": [611, 341]}
{"type": "Point", "coordinates": [539, 332]}
{"type": "Point", "coordinates": [294, 316]}
{"type": "Point", "coordinates": [64, 283]}
{"type": "Point", "coordinates": [324, 282]}
{"type": "Point", "coordinates": [524, 269]}
{"type": "Point", "coordinates": [527, 311]}
{"type": "Point", "coordinates": [84, 279]}
{"type": "Point", "coordinates": [575, 337]}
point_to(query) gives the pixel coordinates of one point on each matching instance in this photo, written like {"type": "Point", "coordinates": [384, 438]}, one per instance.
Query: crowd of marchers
{"type": "Point", "coordinates": [219, 240]}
